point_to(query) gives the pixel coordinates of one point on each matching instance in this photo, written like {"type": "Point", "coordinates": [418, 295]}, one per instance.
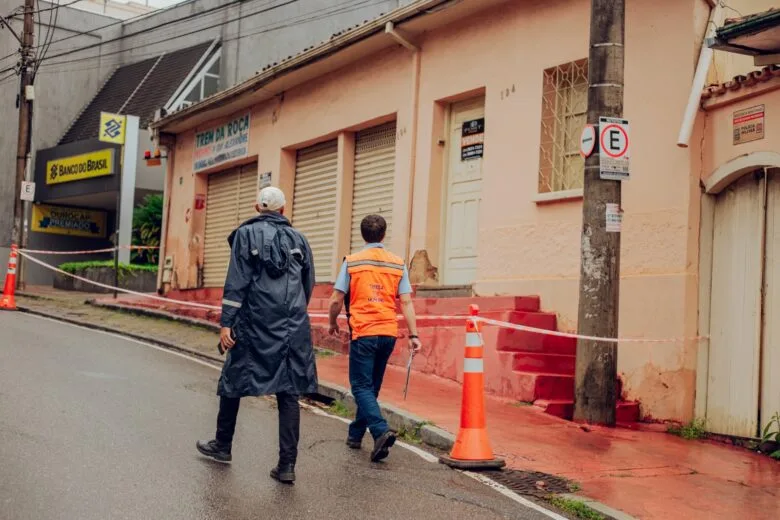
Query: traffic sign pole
{"type": "Point", "coordinates": [596, 367]}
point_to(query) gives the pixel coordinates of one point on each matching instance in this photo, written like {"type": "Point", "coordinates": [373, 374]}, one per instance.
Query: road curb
{"type": "Point", "coordinates": [397, 418]}
{"type": "Point", "coordinates": [154, 313]}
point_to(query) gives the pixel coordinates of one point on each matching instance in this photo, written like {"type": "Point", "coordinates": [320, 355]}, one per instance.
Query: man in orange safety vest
{"type": "Point", "coordinates": [370, 281]}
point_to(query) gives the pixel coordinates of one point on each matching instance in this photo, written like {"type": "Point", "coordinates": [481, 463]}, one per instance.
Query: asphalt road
{"type": "Point", "coordinates": [93, 426]}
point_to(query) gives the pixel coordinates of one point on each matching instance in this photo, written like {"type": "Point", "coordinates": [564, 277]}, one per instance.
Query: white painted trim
{"type": "Point", "coordinates": [127, 192]}
{"type": "Point", "coordinates": [196, 81]}
{"type": "Point", "coordinates": [198, 66]}
{"type": "Point", "coordinates": [557, 196]}
{"type": "Point", "coordinates": [706, 237]}
{"type": "Point", "coordinates": [732, 170]}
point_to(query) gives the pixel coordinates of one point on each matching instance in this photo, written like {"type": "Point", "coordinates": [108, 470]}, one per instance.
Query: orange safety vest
{"type": "Point", "coordinates": [374, 275]}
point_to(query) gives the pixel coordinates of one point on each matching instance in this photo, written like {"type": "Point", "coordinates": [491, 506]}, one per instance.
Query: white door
{"type": "Point", "coordinates": [314, 203]}
{"type": "Point", "coordinates": [374, 179]}
{"type": "Point", "coordinates": [734, 359]}
{"type": "Point", "coordinates": [770, 346]}
{"type": "Point", "coordinates": [463, 192]}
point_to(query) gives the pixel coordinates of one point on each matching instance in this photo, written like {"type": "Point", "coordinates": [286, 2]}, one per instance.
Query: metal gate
{"type": "Point", "coordinates": [229, 202]}
{"type": "Point", "coordinates": [374, 178]}
{"type": "Point", "coordinates": [314, 203]}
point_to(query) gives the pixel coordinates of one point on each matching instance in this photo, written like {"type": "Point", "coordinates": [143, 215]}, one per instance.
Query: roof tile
{"type": "Point", "coordinates": [155, 90]}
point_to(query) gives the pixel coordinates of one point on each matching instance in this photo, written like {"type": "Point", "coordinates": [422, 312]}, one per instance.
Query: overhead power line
{"type": "Point", "coordinates": [342, 8]}
{"type": "Point", "coordinates": [132, 19]}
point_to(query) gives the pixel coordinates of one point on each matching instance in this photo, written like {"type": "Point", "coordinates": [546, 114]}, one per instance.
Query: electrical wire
{"type": "Point", "coordinates": [342, 8]}
{"type": "Point", "coordinates": [132, 19]}
{"type": "Point", "coordinates": [53, 18]}
{"type": "Point", "coordinates": [170, 22]}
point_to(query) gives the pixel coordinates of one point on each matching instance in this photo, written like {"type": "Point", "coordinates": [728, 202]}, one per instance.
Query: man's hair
{"type": "Point", "coordinates": [373, 228]}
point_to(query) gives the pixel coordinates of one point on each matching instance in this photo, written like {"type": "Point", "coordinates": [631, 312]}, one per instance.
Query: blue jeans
{"type": "Point", "coordinates": [367, 362]}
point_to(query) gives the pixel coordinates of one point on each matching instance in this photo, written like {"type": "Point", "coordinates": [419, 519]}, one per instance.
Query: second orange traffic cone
{"type": "Point", "coordinates": [7, 300]}
{"type": "Point", "coordinates": [472, 449]}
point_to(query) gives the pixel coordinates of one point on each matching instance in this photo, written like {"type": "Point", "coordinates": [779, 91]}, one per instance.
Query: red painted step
{"type": "Point", "coordinates": [559, 408]}
{"type": "Point", "coordinates": [543, 362]}
{"type": "Point", "coordinates": [532, 386]}
{"type": "Point", "coordinates": [626, 412]}
{"type": "Point", "coordinates": [523, 341]}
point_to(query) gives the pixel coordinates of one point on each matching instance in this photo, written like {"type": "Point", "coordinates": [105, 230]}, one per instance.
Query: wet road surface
{"type": "Point", "coordinates": [94, 426]}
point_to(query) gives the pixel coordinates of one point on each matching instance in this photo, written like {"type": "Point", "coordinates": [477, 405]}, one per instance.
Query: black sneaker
{"type": "Point", "coordinates": [214, 450]}
{"type": "Point", "coordinates": [284, 473]}
{"type": "Point", "coordinates": [382, 446]}
{"type": "Point", "coordinates": [354, 444]}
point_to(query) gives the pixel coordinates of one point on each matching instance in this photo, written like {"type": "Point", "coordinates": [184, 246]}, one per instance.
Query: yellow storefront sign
{"type": "Point", "coordinates": [112, 128]}
{"type": "Point", "coordinates": [80, 167]}
{"type": "Point", "coordinates": [59, 220]}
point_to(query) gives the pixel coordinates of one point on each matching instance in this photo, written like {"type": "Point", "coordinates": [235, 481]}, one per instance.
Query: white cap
{"type": "Point", "coordinates": [270, 199]}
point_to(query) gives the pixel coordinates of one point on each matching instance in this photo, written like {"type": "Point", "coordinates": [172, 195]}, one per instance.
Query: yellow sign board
{"type": "Point", "coordinates": [112, 128]}
{"type": "Point", "coordinates": [80, 167]}
{"type": "Point", "coordinates": [59, 220]}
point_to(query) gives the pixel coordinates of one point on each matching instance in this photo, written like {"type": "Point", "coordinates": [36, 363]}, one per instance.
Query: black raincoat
{"type": "Point", "coordinates": [267, 291]}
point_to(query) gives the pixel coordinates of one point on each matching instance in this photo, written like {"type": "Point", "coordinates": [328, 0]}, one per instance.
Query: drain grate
{"type": "Point", "coordinates": [530, 483]}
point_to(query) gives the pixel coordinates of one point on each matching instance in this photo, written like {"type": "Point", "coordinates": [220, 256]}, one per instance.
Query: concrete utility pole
{"type": "Point", "coordinates": [25, 119]}
{"type": "Point", "coordinates": [596, 372]}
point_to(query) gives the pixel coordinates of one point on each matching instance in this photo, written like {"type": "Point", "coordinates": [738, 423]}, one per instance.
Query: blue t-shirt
{"type": "Point", "coordinates": [342, 281]}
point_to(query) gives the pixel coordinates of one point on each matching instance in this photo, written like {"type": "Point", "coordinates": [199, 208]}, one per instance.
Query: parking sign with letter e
{"type": "Point", "coordinates": [614, 145]}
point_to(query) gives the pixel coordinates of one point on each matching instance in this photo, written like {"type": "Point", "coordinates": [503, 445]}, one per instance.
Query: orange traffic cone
{"type": "Point", "coordinates": [472, 449]}
{"type": "Point", "coordinates": [7, 300]}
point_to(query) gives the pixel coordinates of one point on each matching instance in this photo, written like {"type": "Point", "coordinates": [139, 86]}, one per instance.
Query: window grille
{"type": "Point", "coordinates": [564, 114]}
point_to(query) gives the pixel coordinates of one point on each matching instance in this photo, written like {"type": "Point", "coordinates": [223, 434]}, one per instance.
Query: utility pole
{"type": "Point", "coordinates": [25, 119]}
{"type": "Point", "coordinates": [596, 372]}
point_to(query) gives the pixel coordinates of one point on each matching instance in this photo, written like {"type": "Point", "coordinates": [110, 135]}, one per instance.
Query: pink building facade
{"type": "Point", "coordinates": [460, 123]}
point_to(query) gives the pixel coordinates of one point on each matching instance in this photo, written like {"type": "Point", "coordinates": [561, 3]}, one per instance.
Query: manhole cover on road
{"type": "Point", "coordinates": [530, 483]}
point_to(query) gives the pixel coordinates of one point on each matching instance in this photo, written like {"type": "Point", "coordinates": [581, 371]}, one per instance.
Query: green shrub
{"type": "Point", "coordinates": [696, 429]}
{"type": "Point", "coordinates": [147, 225]}
{"type": "Point", "coordinates": [124, 269]}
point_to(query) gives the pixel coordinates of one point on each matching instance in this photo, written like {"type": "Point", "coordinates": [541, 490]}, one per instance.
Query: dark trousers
{"type": "Point", "coordinates": [289, 424]}
{"type": "Point", "coordinates": [368, 359]}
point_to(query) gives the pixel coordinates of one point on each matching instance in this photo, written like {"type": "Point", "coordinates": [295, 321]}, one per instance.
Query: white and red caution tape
{"type": "Point", "coordinates": [487, 321]}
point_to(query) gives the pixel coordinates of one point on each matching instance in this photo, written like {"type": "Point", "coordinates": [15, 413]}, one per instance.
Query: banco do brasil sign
{"type": "Point", "coordinates": [80, 167]}
{"type": "Point", "coordinates": [221, 144]}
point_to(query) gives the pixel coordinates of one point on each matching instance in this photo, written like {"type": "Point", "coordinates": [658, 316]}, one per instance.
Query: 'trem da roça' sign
{"type": "Point", "coordinates": [222, 144]}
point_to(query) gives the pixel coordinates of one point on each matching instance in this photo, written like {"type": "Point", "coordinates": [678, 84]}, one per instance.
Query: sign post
{"type": "Point", "coordinates": [112, 130]}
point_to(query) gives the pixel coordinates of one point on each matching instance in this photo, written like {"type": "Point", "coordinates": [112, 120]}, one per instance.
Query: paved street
{"type": "Point", "coordinates": [93, 426]}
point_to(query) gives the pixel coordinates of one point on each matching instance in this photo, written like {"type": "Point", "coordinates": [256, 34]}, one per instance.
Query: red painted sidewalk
{"type": "Point", "coordinates": [645, 474]}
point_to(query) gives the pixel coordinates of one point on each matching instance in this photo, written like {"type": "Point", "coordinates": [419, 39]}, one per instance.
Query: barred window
{"type": "Point", "coordinates": [564, 114]}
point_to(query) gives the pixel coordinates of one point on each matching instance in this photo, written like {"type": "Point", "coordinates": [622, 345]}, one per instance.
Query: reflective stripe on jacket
{"type": "Point", "coordinates": [374, 276]}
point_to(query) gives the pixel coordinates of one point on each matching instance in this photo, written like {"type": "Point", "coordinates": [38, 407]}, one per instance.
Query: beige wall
{"type": "Point", "coordinates": [525, 247]}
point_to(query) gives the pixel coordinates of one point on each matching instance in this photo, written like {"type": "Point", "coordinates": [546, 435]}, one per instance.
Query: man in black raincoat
{"type": "Point", "coordinates": [266, 329]}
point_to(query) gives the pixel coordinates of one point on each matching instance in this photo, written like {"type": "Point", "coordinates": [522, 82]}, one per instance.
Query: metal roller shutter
{"type": "Point", "coordinates": [314, 203]}
{"type": "Point", "coordinates": [229, 202]}
{"type": "Point", "coordinates": [247, 193]}
{"type": "Point", "coordinates": [221, 220]}
{"type": "Point", "coordinates": [374, 178]}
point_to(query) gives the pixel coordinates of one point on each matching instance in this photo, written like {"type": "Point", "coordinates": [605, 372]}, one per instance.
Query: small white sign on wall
{"type": "Point", "coordinates": [614, 218]}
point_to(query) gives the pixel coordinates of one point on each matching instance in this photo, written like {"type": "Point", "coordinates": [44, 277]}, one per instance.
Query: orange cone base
{"type": "Point", "coordinates": [7, 303]}
{"type": "Point", "coordinates": [472, 465]}
{"type": "Point", "coordinates": [472, 450]}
